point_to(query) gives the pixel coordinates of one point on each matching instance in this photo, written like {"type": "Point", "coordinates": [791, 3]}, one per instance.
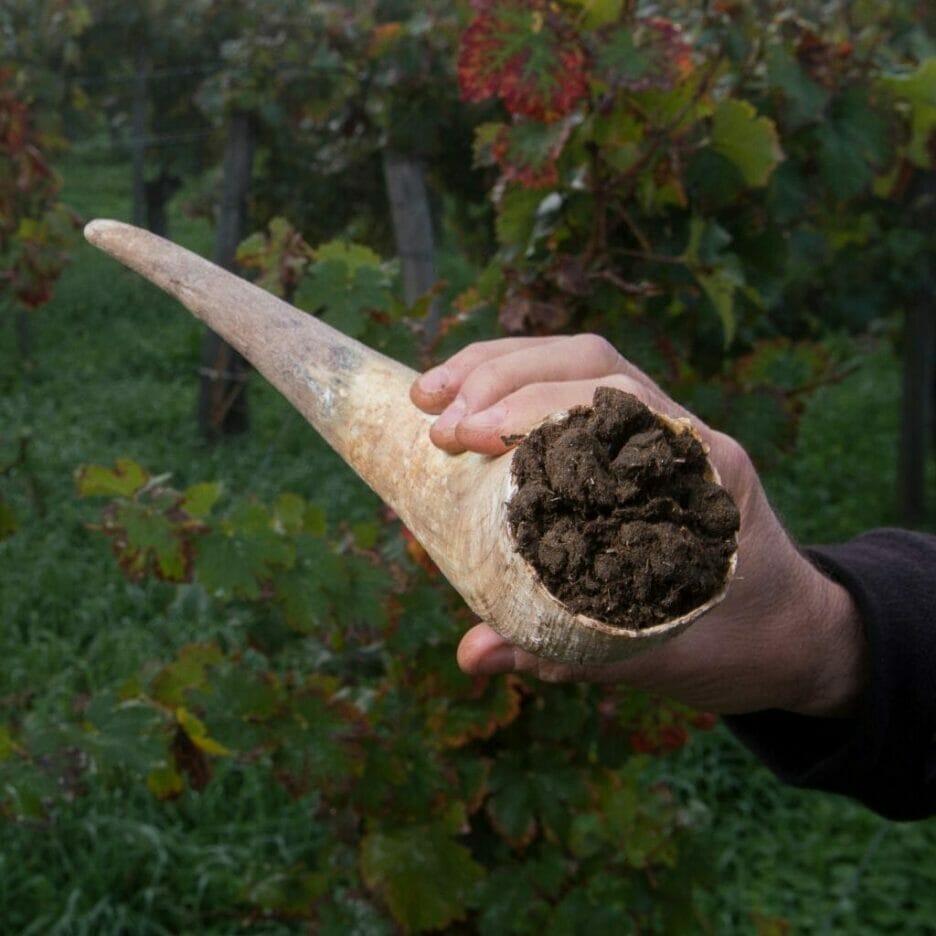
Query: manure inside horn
{"type": "Point", "coordinates": [619, 515]}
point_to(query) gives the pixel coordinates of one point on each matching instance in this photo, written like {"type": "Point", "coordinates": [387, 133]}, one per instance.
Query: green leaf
{"type": "Point", "coordinates": [516, 217]}
{"type": "Point", "coordinates": [919, 91]}
{"type": "Point", "coordinates": [123, 480]}
{"type": "Point", "coordinates": [533, 793]}
{"type": "Point", "coordinates": [853, 145]}
{"type": "Point", "coordinates": [510, 901]}
{"type": "Point", "coordinates": [303, 599]}
{"type": "Point", "coordinates": [423, 875]}
{"type": "Point", "coordinates": [718, 273]}
{"type": "Point", "coordinates": [782, 364]}
{"type": "Point", "coordinates": [714, 179]}
{"type": "Point", "coordinates": [199, 499]}
{"type": "Point", "coordinates": [129, 735]}
{"type": "Point", "coordinates": [365, 601]}
{"type": "Point", "coordinates": [308, 592]}
{"type": "Point", "coordinates": [365, 535]}
{"type": "Point", "coordinates": [721, 285]}
{"type": "Point", "coordinates": [9, 523]}
{"type": "Point", "coordinates": [598, 13]}
{"type": "Point", "coordinates": [350, 255]}
{"type": "Point", "coordinates": [512, 807]}
{"type": "Point", "coordinates": [148, 542]}
{"type": "Point", "coordinates": [425, 620]}
{"type": "Point", "coordinates": [289, 891]}
{"type": "Point", "coordinates": [622, 59]}
{"type": "Point", "coordinates": [8, 747]}
{"type": "Point", "coordinates": [289, 513]}
{"type": "Point", "coordinates": [165, 782]}
{"type": "Point", "coordinates": [197, 731]}
{"type": "Point", "coordinates": [749, 141]}
{"type": "Point", "coordinates": [187, 672]}
{"type": "Point", "coordinates": [806, 100]}
{"type": "Point", "coordinates": [457, 718]}
{"type": "Point", "coordinates": [347, 281]}
{"type": "Point", "coordinates": [760, 423]}
{"type": "Point", "coordinates": [317, 739]}
{"type": "Point", "coordinates": [230, 563]}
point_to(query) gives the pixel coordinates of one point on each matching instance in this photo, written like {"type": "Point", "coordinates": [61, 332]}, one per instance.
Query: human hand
{"type": "Point", "coordinates": [784, 637]}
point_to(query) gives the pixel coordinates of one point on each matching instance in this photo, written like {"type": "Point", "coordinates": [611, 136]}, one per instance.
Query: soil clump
{"type": "Point", "coordinates": [615, 513]}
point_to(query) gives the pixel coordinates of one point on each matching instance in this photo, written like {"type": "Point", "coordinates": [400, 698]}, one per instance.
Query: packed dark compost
{"type": "Point", "coordinates": [619, 515]}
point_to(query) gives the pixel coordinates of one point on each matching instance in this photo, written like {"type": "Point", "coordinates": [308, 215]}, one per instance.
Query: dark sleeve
{"type": "Point", "coordinates": [885, 757]}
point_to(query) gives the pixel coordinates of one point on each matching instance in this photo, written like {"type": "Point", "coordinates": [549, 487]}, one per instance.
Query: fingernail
{"type": "Point", "coordinates": [435, 380]}
{"type": "Point", "coordinates": [491, 418]}
{"type": "Point", "coordinates": [451, 415]}
{"type": "Point", "coordinates": [499, 660]}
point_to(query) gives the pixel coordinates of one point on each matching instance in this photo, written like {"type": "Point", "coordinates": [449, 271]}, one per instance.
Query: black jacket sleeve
{"type": "Point", "coordinates": [885, 757]}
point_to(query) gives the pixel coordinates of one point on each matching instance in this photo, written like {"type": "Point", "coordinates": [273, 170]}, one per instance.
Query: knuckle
{"type": "Point", "coordinates": [595, 349]}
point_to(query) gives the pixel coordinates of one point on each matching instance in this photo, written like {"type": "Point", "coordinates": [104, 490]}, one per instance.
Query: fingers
{"type": "Point", "coordinates": [485, 375]}
{"type": "Point", "coordinates": [496, 429]}
{"type": "Point", "coordinates": [435, 389]}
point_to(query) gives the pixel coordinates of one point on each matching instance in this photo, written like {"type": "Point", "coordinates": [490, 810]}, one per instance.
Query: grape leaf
{"type": "Point", "coordinates": [278, 256]}
{"type": "Point", "coordinates": [232, 563]}
{"type": "Point", "coordinates": [516, 216]}
{"type": "Point", "coordinates": [165, 782]}
{"type": "Point", "coordinates": [188, 671]}
{"type": "Point", "coordinates": [199, 499]}
{"type": "Point", "coordinates": [424, 876]}
{"type": "Point", "coordinates": [749, 141]}
{"type": "Point", "coordinates": [490, 704]}
{"type": "Point", "coordinates": [309, 591]}
{"type": "Point", "coordinates": [197, 732]}
{"type": "Point", "coordinates": [805, 99]}
{"type": "Point", "coordinates": [508, 901]}
{"type": "Point", "coordinates": [528, 54]}
{"type": "Point", "coordinates": [123, 480]}
{"type": "Point", "coordinates": [347, 281]}
{"type": "Point", "coordinates": [853, 144]}
{"type": "Point", "coordinates": [919, 91]}
{"type": "Point", "coordinates": [289, 890]}
{"type": "Point", "coordinates": [526, 151]}
{"type": "Point", "coordinates": [600, 13]}
{"type": "Point", "coordinates": [318, 739]}
{"type": "Point", "coordinates": [9, 523]}
{"type": "Point", "coordinates": [650, 53]}
{"type": "Point", "coordinates": [8, 747]}
{"type": "Point", "coordinates": [720, 286]}
{"type": "Point", "coordinates": [147, 542]}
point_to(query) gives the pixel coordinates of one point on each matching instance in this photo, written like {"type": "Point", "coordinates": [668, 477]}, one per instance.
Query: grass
{"type": "Point", "coordinates": [115, 375]}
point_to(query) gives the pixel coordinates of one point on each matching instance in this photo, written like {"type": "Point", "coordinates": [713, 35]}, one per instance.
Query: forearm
{"type": "Point", "coordinates": [884, 752]}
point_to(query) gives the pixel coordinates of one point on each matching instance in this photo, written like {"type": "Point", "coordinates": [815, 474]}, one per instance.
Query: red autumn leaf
{"type": "Point", "coordinates": [526, 53]}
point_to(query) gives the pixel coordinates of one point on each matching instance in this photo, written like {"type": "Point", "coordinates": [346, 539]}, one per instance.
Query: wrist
{"type": "Point", "coordinates": [833, 651]}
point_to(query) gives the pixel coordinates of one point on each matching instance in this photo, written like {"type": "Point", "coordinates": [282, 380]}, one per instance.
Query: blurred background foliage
{"type": "Point", "coordinates": [229, 700]}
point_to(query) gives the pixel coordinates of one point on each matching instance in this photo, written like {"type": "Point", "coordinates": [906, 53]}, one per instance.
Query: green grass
{"type": "Point", "coordinates": [114, 375]}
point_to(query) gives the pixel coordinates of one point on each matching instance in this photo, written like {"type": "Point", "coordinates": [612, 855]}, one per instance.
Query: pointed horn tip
{"type": "Point", "coordinates": [98, 231]}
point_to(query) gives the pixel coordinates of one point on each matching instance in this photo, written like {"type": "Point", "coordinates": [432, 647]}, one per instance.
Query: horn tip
{"type": "Point", "coordinates": [100, 230]}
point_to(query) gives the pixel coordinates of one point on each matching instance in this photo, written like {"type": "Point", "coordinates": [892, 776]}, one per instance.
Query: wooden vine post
{"type": "Point", "coordinates": [222, 398]}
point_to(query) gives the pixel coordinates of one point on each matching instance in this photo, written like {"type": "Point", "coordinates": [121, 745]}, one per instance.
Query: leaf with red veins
{"type": "Point", "coordinates": [650, 54]}
{"type": "Point", "coordinates": [525, 151]}
{"type": "Point", "coordinates": [526, 53]}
